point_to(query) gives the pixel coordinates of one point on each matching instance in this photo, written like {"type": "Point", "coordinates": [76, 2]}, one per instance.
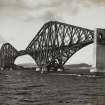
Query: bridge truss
{"type": "Point", "coordinates": [53, 45]}
{"type": "Point", "coordinates": [56, 42]}
{"type": "Point", "coordinates": [8, 55]}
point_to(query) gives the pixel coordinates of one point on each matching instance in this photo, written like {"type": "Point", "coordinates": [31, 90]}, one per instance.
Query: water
{"type": "Point", "coordinates": [24, 87]}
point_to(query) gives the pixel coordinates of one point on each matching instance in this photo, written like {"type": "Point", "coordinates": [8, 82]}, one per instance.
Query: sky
{"type": "Point", "coordinates": [20, 20]}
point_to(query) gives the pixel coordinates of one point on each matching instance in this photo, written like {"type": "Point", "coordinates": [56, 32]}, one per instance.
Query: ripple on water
{"type": "Point", "coordinates": [30, 88]}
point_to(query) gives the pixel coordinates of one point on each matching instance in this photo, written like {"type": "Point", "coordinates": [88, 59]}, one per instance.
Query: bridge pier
{"type": "Point", "coordinates": [100, 50]}
{"type": "Point", "coordinates": [99, 45]}
{"type": "Point", "coordinates": [38, 69]}
{"type": "Point", "coordinates": [2, 68]}
{"type": "Point", "coordinates": [43, 69]}
{"type": "Point", "coordinates": [55, 67]}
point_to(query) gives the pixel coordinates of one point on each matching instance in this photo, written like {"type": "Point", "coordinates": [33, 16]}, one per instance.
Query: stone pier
{"type": "Point", "coordinates": [100, 50]}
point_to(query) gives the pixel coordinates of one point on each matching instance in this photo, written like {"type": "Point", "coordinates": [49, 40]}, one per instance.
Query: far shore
{"type": "Point", "coordinates": [80, 69]}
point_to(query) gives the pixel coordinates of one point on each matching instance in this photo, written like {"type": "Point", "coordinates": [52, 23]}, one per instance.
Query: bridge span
{"type": "Point", "coordinates": [53, 45]}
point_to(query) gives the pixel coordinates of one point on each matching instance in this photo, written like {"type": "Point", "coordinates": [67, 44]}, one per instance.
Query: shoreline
{"type": "Point", "coordinates": [69, 72]}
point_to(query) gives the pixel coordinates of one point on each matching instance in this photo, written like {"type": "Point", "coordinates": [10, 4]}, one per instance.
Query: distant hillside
{"type": "Point", "coordinates": [78, 65]}
{"type": "Point", "coordinates": [66, 66]}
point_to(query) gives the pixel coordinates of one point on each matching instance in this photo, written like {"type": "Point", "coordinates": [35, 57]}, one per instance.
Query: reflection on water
{"type": "Point", "coordinates": [30, 88]}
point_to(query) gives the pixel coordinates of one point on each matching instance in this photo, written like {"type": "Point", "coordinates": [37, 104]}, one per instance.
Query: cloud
{"type": "Point", "coordinates": [46, 9]}
{"type": "Point", "coordinates": [99, 2]}
{"type": "Point", "coordinates": [31, 10]}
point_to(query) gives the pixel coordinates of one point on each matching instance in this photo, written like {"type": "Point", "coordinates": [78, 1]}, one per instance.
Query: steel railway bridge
{"type": "Point", "coordinates": [53, 45]}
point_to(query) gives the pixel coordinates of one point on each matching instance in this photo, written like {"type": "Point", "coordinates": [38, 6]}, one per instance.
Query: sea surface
{"type": "Point", "coordinates": [26, 87]}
